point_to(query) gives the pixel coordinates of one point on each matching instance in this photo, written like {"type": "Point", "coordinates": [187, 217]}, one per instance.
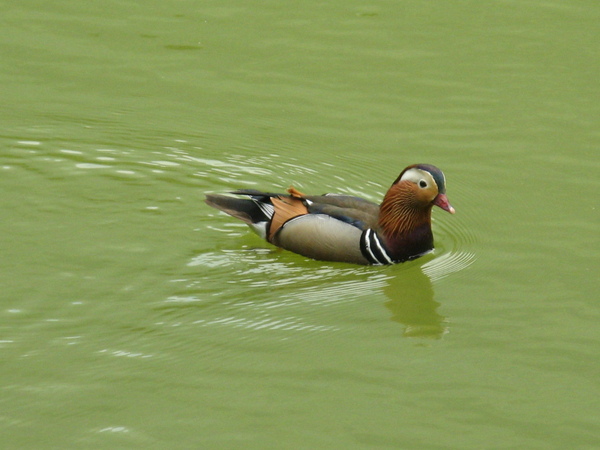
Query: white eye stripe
{"type": "Point", "coordinates": [417, 176]}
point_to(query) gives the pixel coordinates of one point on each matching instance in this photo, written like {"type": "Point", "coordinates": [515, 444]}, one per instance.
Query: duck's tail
{"type": "Point", "coordinates": [250, 211]}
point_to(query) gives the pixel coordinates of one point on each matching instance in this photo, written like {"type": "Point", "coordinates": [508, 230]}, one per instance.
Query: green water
{"type": "Point", "coordinates": [134, 316]}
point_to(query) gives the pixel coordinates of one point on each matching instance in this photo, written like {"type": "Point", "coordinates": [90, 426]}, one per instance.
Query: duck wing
{"type": "Point", "coordinates": [330, 229]}
{"type": "Point", "coordinates": [355, 211]}
{"type": "Point", "coordinates": [327, 227]}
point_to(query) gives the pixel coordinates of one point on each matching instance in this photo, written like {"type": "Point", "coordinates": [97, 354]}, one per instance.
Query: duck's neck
{"type": "Point", "coordinates": [404, 224]}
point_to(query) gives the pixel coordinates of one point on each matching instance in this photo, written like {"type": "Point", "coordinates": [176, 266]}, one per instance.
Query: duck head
{"type": "Point", "coordinates": [427, 186]}
{"type": "Point", "coordinates": [405, 213]}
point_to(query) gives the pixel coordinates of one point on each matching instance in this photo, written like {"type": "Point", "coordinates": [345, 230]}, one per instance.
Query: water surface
{"type": "Point", "coordinates": [135, 316]}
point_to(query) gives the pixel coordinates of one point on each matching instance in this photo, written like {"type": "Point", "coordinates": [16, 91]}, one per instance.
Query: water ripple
{"type": "Point", "coordinates": [453, 253]}
{"type": "Point", "coordinates": [268, 323]}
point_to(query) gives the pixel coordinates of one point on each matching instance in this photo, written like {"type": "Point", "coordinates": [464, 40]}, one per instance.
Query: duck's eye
{"type": "Point", "coordinates": [423, 183]}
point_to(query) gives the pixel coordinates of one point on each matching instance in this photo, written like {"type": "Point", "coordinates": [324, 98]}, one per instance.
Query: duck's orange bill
{"type": "Point", "coordinates": [442, 201]}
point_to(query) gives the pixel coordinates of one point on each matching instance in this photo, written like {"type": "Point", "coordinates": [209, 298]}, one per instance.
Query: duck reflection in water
{"type": "Point", "coordinates": [411, 302]}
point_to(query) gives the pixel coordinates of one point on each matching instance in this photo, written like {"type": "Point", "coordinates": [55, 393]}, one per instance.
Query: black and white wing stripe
{"type": "Point", "coordinates": [266, 208]}
{"type": "Point", "coordinates": [372, 248]}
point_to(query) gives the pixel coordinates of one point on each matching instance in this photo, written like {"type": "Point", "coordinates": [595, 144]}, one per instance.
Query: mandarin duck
{"type": "Point", "coordinates": [345, 228]}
